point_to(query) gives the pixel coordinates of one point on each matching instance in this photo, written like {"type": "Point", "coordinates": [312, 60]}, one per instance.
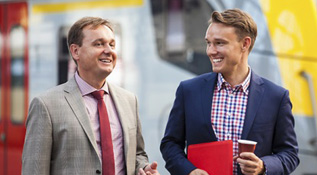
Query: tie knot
{"type": "Point", "coordinates": [98, 94]}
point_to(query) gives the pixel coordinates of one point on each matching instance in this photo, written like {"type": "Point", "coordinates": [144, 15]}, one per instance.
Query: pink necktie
{"type": "Point", "coordinates": [108, 167]}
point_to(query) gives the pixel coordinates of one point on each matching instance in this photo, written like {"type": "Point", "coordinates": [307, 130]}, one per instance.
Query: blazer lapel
{"type": "Point", "coordinates": [74, 98]}
{"type": "Point", "coordinates": [207, 90]}
{"type": "Point", "coordinates": [256, 91]}
{"type": "Point", "coordinates": [119, 102]}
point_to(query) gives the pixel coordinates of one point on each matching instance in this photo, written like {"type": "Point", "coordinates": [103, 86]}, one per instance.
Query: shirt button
{"type": "Point", "coordinates": [98, 171]}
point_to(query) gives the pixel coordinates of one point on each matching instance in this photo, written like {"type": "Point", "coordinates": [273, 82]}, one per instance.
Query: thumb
{"type": "Point", "coordinates": [154, 165]}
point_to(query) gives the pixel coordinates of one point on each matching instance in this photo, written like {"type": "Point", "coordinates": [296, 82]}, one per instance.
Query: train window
{"type": "Point", "coordinates": [180, 30]}
{"type": "Point", "coordinates": [17, 46]}
{"type": "Point", "coordinates": [66, 66]}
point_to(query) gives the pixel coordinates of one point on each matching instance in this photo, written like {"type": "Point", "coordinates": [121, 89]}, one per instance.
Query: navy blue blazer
{"type": "Point", "coordinates": [268, 121]}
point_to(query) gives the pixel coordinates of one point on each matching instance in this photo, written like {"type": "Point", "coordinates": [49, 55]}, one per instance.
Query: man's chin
{"type": "Point", "coordinates": [216, 70]}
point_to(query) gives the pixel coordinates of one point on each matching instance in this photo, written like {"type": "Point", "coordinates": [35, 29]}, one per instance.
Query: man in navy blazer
{"type": "Point", "coordinates": [232, 103]}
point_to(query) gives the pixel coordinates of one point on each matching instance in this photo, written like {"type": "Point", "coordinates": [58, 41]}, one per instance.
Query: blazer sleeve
{"type": "Point", "coordinates": [173, 143]}
{"type": "Point", "coordinates": [141, 156]}
{"type": "Point", "coordinates": [38, 140]}
{"type": "Point", "coordinates": [284, 158]}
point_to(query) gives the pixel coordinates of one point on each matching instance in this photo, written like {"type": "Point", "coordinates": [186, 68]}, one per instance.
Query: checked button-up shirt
{"type": "Point", "coordinates": [228, 111]}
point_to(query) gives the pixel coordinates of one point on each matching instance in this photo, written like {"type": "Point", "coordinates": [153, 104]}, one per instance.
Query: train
{"type": "Point", "coordinates": [159, 44]}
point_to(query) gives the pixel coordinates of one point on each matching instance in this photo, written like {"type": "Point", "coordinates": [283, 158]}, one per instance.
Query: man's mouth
{"type": "Point", "coordinates": [105, 60]}
{"type": "Point", "coordinates": [217, 60]}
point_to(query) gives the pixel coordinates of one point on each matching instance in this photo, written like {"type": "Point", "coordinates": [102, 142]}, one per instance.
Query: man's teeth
{"type": "Point", "coordinates": [106, 61]}
{"type": "Point", "coordinates": [217, 60]}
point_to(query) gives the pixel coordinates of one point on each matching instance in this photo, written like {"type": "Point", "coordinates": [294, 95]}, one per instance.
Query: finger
{"type": "Point", "coordinates": [245, 170]}
{"type": "Point", "coordinates": [154, 165]}
{"type": "Point", "coordinates": [248, 163]}
{"type": "Point", "coordinates": [250, 156]}
{"type": "Point", "coordinates": [141, 172]}
{"type": "Point", "coordinates": [248, 171]}
{"type": "Point", "coordinates": [203, 172]}
{"type": "Point", "coordinates": [241, 160]}
{"type": "Point", "coordinates": [235, 157]}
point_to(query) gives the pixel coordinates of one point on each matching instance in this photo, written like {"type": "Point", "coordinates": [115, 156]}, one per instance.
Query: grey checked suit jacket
{"type": "Point", "coordinates": [59, 138]}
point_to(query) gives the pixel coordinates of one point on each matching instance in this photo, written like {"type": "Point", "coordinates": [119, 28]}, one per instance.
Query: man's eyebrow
{"type": "Point", "coordinates": [102, 40]}
{"type": "Point", "coordinates": [96, 40]}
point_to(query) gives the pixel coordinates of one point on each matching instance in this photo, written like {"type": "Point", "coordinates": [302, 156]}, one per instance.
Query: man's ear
{"type": "Point", "coordinates": [74, 50]}
{"type": "Point", "coordinates": [246, 42]}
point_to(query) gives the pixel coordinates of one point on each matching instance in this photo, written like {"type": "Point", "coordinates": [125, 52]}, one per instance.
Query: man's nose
{"type": "Point", "coordinates": [108, 49]}
{"type": "Point", "coordinates": [211, 50]}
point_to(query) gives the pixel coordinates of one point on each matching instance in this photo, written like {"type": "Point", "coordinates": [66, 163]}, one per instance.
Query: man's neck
{"type": "Point", "coordinates": [94, 82]}
{"type": "Point", "coordinates": [237, 77]}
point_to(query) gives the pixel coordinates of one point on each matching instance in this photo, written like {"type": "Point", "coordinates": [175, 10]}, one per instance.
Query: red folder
{"type": "Point", "coordinates": [214, 157]}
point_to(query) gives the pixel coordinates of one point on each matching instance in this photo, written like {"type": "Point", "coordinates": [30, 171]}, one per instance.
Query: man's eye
{"type": "Point", "coordinates": [98, 44]}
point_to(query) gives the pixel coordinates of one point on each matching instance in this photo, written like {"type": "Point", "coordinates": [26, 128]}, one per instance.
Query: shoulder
{"type": "Point", "coordinates": [269, 86]}
{"type": "Point", "coordinates": [58, 92]}
{"type": "Point", "coordinates": [199, 79]}
{"type": "Point", "coordinates": [52, 92]}
{"type": "Point", "coordinates": [115, 89]}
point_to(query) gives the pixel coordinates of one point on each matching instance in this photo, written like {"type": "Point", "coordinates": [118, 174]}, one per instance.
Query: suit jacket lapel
{"type": "Point", "coordinates": [256, 92]}
{"type": "Point", "coordinates": [120, 103]}
{"type": "Point", "coordinates": [207, 91]}
{"type": "Point", "coordinates": [74, 98]}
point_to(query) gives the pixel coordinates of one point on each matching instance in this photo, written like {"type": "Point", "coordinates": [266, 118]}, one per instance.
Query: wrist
{"type": "Point", "coordinates": [263, 169]}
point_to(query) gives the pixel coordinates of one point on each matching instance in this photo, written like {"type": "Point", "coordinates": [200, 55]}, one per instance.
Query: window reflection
{"type": "Point", "coordinates": [175, 36]}
{"type": "Point", "coordinates": [180, 27]}
{"type": "Point", "coordinates": [17, 45]}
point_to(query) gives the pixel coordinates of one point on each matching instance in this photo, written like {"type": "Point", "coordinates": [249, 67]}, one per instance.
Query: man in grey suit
{"type": "Point", "coordinates": [63, 130]}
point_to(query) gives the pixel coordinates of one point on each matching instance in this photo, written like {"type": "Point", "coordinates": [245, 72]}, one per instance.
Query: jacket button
{"type": "Point", "coordinates": [98, 171]}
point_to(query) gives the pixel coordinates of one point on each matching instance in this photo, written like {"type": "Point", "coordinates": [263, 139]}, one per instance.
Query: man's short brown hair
{"type": "Point", "coordinates": [75, 34]}
{"type": "Point", "coordinates": [242, 22]}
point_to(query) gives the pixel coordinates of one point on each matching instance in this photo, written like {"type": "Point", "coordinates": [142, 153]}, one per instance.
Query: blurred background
{"type": "Point", "coordinates": [159, 44]}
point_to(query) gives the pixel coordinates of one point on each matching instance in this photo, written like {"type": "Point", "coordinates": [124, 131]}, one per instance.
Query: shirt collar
{"type": "Point", "coordinates": [221, 83]}
{"type": "Point", "coordinates": [86, 88]}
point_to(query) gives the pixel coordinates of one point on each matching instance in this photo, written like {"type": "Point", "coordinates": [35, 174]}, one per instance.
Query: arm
{"type": "Point", "coordinates": [173, 143]}
{"type": "Point", "coordinates": [38, 140]}
{"type": "Point", "coordinates": [144, 167]}
{"type": "Point", "coordinates": [284, 159]}
{"type": "Point", "coordinates": [141, 156]}
{"type": "Point", "coordinates": [281, 157]}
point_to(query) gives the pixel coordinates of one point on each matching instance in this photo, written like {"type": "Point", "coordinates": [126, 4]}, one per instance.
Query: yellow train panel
{"type": "Point", "coordinates": [69, 6]}
{"type": "Point", "coordinates": [294, 41]}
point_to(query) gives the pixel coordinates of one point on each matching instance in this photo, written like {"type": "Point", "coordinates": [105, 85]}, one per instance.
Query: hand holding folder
{"type": "Point", "coordinates": [214, 157]}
